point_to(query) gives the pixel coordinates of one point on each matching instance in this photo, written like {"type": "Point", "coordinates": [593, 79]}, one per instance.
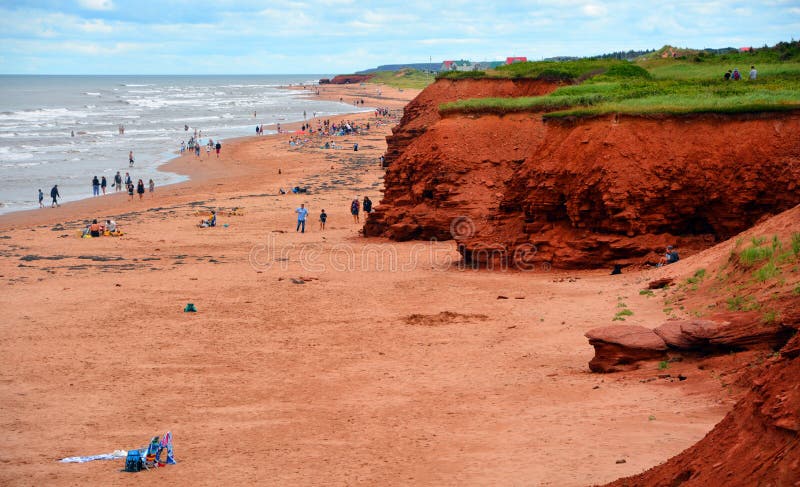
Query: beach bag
{"type": "Point", "coordinates": [133, 462]}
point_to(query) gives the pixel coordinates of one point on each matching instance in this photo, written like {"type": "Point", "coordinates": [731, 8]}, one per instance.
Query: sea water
{"type": "Point", "coordinates": [40, 114]}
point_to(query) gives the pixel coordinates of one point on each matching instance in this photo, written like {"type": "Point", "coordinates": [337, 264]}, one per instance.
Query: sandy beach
{"type": "Point", "coordinates": [317, 358]}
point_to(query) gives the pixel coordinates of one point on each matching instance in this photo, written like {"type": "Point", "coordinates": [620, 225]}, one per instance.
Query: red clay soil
{"type": "Point", "coordinates": [580, 194]}
{"type": "Point", "coordinates": [349, 79]}
{"type": "Point", "coordinates": [758, 442]}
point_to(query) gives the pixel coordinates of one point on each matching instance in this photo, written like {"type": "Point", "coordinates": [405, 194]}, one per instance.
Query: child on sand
{"type": "Point", "coordinates": [130, 191]}
{"type": "Point", "coordinates": [355, 206]}
{"type": "Point", "coordinates": [323, 217]}
{"type": "Point", "coordinates": [41, 198]}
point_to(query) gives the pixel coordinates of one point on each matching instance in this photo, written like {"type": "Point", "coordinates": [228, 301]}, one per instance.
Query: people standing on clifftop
{"type": "Point", "coordinates": [355, 206]}
{"type": "Point", "coordinates": [54, 194]}
{"type": "Point", "coordinates": [95, 186]}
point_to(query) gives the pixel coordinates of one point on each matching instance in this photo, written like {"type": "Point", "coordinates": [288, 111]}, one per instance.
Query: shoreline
{"type": "Point", "coordinates": [182, 165]}
{"type": "Point", "coordinates": [314, 355]}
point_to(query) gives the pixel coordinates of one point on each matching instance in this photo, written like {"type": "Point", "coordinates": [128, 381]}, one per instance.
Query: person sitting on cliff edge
{"type": "Point", "coordinates": [670, 257]}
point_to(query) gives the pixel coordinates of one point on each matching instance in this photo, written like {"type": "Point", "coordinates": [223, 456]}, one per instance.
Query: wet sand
{"type": "Point", "coordinates": [315, 358]}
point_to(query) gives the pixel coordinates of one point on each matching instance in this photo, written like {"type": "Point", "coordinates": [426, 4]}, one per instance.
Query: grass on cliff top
{"type": "Point", "coordinates": [653, 86]}
{"type": "Point", "coordinates": [633, 97]}
{"type": "Point", "coordinates": [404, 78]}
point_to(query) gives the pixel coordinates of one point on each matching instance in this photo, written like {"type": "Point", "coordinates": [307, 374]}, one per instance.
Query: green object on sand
{"type": "Point", "coordinates": [190, 308]}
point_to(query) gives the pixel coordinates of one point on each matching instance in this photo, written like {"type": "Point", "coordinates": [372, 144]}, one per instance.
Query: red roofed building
{"type": "Point", "coordinates": [518, 59]}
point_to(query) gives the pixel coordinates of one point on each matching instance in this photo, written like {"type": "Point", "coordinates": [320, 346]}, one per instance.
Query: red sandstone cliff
{"type": "Point", "coordinates": [580, 194]}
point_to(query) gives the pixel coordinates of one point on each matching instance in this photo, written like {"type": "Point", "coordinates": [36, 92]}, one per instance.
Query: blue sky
{"type": "Point", "coordinates": [342, 36]}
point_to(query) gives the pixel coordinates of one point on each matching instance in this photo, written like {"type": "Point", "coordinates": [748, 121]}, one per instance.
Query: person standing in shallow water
{"type": "Point", "coordinates": [95, 186]}
{"type": "Point", "coordinates": [41, 199]}
{"type": "Point", "coordinates": [118, 182]}
{"type": "Point", "coordinates": [130, 159]}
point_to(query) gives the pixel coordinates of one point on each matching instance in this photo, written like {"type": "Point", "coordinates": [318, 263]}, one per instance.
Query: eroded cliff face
{"type": "Point", "coordinates": [580, 194]}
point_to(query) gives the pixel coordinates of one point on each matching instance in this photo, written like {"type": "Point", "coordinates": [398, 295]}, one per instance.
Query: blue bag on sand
{"type": "Point", "coordinates": [133, 462]}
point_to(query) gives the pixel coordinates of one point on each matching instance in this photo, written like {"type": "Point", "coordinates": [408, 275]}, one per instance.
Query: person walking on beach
{"type": "Point", "coordinates": [218, 147]}
{"type": "Point", "coordinates": [128, 179]}
{"type": "Point", "coordinates": [208, 149]}
{"type": "Point", "coordinates": [95, 186]}
{"type": "Point", "coordinates": [140, 189]}
{"type": "Point", "coordinates": [323, 217]}
{"type": "Point", "coordinates": [183, 147]}
{"type": "Point", "coordinates": [130, 159]}
{"type": "Point", "coordinates": [54, 194]}
{"type": "Point", "coordinates": [152, 187]}
{"type": "Point", "coordinates": [197, 149]}
{"type": "Point", "coordinates": [117, 182]}
{"type": "Point", "coordinates": [301, 218]}
{"type": "Point", "coordinates": [41, 198]}
{"type": "Point", "coordinates": [355, 206]}
{"type": "Point", "coordinates": [103, 184]}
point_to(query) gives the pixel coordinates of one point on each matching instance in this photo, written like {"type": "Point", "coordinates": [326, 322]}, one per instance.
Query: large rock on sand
{"type": "Point", "coordinates": [727, 331]}
{"type": "Point", "coordinates": [619, 347]}
{"type": "Point", "coordinates": [687, 334]}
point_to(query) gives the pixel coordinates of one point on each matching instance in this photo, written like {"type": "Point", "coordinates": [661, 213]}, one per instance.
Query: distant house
{"type": "Point", "coordinates": [461, 65]}
{"type": "Point", "coordinates": [484, 66]}
{"type": "Point", "coordinates": [517, 59]}
{"type": "Point", "coordinates": [745, 49]}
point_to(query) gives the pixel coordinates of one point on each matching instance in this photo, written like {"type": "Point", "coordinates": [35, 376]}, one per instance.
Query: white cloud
{"type": "Point", "coordinates": [97, 4]}
{"type": "Point", "coordinates": [95, 26]}
{"type": "Point", "coordinates": [594, 10]}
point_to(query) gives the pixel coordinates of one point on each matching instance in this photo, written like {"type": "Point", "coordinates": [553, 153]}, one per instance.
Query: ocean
{"type": "Point", "coordinates": [39, 114]}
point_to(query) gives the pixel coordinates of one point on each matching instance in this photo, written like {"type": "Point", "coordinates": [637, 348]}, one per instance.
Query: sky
{"type": "Point", "coordinates": [343, 36]}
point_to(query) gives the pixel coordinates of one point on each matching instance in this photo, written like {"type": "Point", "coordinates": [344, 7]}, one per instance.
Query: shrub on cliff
{"type": "Point", "coordinates": [462, 75]}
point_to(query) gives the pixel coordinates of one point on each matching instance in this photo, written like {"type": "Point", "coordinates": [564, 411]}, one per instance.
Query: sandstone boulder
{"type": "Point", "coordinates": [619, 347]}
{"type": "Point", "coordinates": [724, 331]}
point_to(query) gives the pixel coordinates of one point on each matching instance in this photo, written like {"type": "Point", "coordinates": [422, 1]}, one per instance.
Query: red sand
{"type": "Point", "coordinates": [329, 382]}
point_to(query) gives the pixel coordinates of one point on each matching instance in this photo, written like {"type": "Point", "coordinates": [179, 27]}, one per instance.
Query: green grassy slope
{"type": "Point", "coordinates": [651, 86]}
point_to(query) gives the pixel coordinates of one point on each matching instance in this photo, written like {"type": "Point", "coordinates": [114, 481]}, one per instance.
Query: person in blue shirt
{"type": "Point", "coordinates": [301, 218]}
{"type": "Point", "coordinates": [670, 257]}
